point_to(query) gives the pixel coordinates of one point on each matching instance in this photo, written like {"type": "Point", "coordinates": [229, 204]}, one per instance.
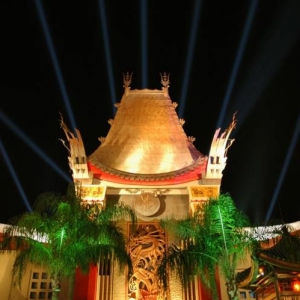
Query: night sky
{"type": "Point", "coordinates": [245, 54]}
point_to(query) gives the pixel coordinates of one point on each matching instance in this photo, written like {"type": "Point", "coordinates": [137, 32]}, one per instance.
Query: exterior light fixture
{"type": "Point", "coordinates": [296, 286]}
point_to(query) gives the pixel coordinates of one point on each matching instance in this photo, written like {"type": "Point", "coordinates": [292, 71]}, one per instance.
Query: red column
{"type": "Point", "coordinates": [86, 284]}
{"type": "Point", "coordinates": [204, 293]}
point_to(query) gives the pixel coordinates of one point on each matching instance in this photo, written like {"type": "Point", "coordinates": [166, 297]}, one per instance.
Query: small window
{"type": "Point", "coordinates": [34, 285]}
{"type": "Point", "coordinates": [243, 295]}
{"type": "Point", "coordinates": [43, 285]}
{"type": "Point", "coordinates": [39, 285]}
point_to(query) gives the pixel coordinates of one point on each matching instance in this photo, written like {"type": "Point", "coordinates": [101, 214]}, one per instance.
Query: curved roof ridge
{"type": "Point", "coordinates": [154, 177]}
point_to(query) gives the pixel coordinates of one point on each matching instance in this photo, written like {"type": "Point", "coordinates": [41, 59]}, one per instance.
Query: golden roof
{"type": "Point", "coordinates": [146, 136]}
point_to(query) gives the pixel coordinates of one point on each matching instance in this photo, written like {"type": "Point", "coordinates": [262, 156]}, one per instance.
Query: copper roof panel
{"type": "Point", "coordinates": [146, 136]}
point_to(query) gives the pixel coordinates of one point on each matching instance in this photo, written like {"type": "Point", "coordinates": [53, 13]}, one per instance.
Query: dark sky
{"type": "Point", "coordinates": [245, 53]}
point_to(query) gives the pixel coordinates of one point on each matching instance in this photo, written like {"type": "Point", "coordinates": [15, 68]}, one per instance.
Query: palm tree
{"type": "Point", "coordinates": [61, 235]}
{"type": "Point", "coordinates": [213, 238]}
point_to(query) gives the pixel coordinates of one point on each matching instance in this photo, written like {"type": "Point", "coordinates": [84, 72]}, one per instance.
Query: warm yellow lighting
{"type": "Point", "coordinates": [261, 272]}
{"type": "Point", "coordinates": [132, 163]}
{"type": "Point", "coordinates": [296, 286]}
{"type": "Point", "coordinates": [167, 161]}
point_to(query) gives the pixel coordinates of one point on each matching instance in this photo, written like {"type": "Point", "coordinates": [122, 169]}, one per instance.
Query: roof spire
{"type": "Point", "coordinates": [165, 81]}
{"type": "Point", "coordinates": [127, 81]}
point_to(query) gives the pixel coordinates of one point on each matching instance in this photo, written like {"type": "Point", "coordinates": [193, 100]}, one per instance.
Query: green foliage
{"type": "Point", "coordinates": [61, 236]}
{"type": "Point", "coordinates": [211, 238]}
{"type": "Point", "coordinates": [224, 224]}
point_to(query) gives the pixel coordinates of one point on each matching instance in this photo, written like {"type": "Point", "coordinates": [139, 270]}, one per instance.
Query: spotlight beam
{"type": "Point", "coordinates": [190, 54]}
{"type": "Point", "coordinates": [144, 42]}
{"type": "Point", "coordinates": [33, 146]}
{"type": "Point", "coordinates": [283, 172]}
{"type": "Point", "coordinates": [237, 63]}
{"type": "Point", "coordinates": [108, 59]}
{"type": "Point", "coordinates": [278, 40]}
{"type": "Point", "coordinates": [14, 176]}
{"type": "Point", "coordinates": [55, 63]}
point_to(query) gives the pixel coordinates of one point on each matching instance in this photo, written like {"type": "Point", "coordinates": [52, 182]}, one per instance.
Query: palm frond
{"type": "Point", "coordinates": [211, 238]}
{"type": "Point", "coordinates": [73, 239]}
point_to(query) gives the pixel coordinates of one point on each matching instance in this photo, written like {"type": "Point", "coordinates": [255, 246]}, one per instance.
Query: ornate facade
{"type": "Point", "coordinates": [146, 161]}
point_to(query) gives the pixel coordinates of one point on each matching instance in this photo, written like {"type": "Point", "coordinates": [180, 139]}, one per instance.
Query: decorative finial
{"type": "Point", "coordinates": [191, 139]}
{"type": "Point", "coordinates": [101, 139]}
{"type": "Point", "coordinates": [231, 126]}
{"type": "Point", "coordinates": [165, 79]}
{"type": "Point", "coordinates": [127, 79]}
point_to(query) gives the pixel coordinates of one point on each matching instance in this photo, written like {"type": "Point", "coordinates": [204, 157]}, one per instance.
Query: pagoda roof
{"type": "Point", "coordinates": [146, 141]}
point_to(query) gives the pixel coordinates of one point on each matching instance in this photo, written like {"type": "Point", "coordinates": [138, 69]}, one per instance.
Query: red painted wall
{"type": "Point", "coordinates": [204, 294]}
{"type": "Point", "coordinates": [86, 284]}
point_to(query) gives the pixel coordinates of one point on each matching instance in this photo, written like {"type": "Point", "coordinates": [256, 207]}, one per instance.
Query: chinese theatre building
{"type": "Point", "coordinates": [146, 161]}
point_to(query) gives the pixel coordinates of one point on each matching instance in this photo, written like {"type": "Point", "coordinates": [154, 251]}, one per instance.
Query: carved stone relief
{"type": "Point", "coordinates": [146, 249]}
